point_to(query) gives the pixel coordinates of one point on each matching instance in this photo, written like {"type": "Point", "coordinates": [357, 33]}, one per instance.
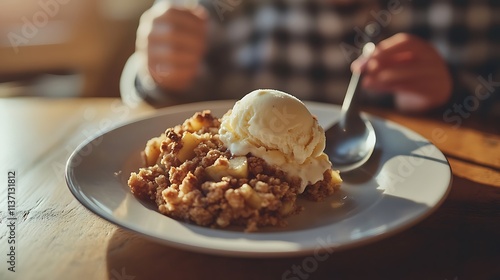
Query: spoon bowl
{"type": "Point", "coordinates": [350, 146]}
{"type": "Point", "coordinates": [351, 141]}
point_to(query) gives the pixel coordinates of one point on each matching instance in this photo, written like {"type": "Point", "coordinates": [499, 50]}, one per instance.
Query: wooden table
{"type": "Point", "coordinates": [57, 238]}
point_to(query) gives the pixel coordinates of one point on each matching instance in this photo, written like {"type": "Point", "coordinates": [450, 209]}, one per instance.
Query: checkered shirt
{"type": "Point", "coordinates": [305, 47]}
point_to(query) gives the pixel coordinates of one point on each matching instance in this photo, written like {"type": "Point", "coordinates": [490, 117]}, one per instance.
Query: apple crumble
{"type": "Point", "coordinates": [192, 176]}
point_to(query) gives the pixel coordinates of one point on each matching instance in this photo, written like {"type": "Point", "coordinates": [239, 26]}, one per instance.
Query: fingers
{"type": "Point", "coordinates": [174, 41]}
{"type": "Point", "coordinates": [176, 77]}
{"type": "Point", "coordinates": [394, 60]}
{"type": "Point", "coordinates": [177, 28]}
{"type": "Point", "coordinates": [173, 57]}
{"type": "Point", "coordinates": [400, 49]}
{"type": "Point", "coordinates": [422, 79]}
{"type": "Point", "coordinates": [175, 52]}
{"type": "Point", "coordinates": [393, 51]}
{"type": "Point", "coordinates": [411, 69]}
{"type": "Point", "coordinates": [188, 21]}
{"type": "Point", "coordinates": [377, 64]}
{"type": "Point", "coordinates": [398, 43]}
{"type": "Point", "coordinates": [178, 41]}
{"type": "Point", "coordinates": [400, 60]}
{"type": "Point", "coordinates": [391, 78]}
{"type": "Point", "coordinates": [418, 95]}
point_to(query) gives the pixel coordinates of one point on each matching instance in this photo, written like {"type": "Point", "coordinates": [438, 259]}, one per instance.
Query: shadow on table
{"type": "Point", "coordinates": [454, 243]}
{"type": "Point", "coordinates": [133, 256]}
{"type": "Point", "coordinates": [392, 141]}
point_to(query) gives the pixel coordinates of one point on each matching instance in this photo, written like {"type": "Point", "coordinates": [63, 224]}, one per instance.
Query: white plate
{"type": "Point", "coordinates": [406, 179]}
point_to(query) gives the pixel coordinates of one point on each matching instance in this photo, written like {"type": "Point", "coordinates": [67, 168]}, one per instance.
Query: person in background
{"type": "Point", "coordinates": [430, 55]}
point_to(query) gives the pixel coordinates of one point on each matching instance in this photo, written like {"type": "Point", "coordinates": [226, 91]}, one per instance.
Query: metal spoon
{"type": "Point", "coordinates": [351, 141]}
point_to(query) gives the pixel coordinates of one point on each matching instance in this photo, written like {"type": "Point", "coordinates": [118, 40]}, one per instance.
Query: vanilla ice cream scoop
{"type": "Point", "coordinates": [278, 128]}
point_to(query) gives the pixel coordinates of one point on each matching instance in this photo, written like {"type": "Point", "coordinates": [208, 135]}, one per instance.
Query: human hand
{"type": "Point", "coordinates": [411, 69]}
{"type": "Point", "coordinates": [173, 40]}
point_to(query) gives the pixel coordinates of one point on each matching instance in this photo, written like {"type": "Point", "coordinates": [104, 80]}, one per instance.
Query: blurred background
{"type": "Point", "coordinates": [70, 48]}
{"type": "Point", "coordinates": [65, 48]}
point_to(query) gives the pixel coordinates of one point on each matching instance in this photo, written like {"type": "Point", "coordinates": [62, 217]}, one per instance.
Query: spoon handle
{"type": "Point", "coordinates": [350, 104]}
{"type": "Point", "coordinates": [351, 97]}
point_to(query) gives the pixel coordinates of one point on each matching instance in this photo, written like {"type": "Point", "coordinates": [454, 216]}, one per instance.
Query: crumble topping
{"type": "Point", "coordinates": [191, 176]}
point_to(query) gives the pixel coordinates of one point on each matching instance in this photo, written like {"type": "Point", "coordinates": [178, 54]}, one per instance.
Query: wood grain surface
{"type": "Point", "coordinates": [58, 238]}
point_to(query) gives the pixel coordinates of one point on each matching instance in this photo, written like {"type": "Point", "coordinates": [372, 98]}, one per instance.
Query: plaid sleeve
{"type": "Point", "coordinates": [305, 47]}
{"type": "Point", "coordinates": [467, 35]}
{"type": "Point", "coordinates": [294, 46]}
